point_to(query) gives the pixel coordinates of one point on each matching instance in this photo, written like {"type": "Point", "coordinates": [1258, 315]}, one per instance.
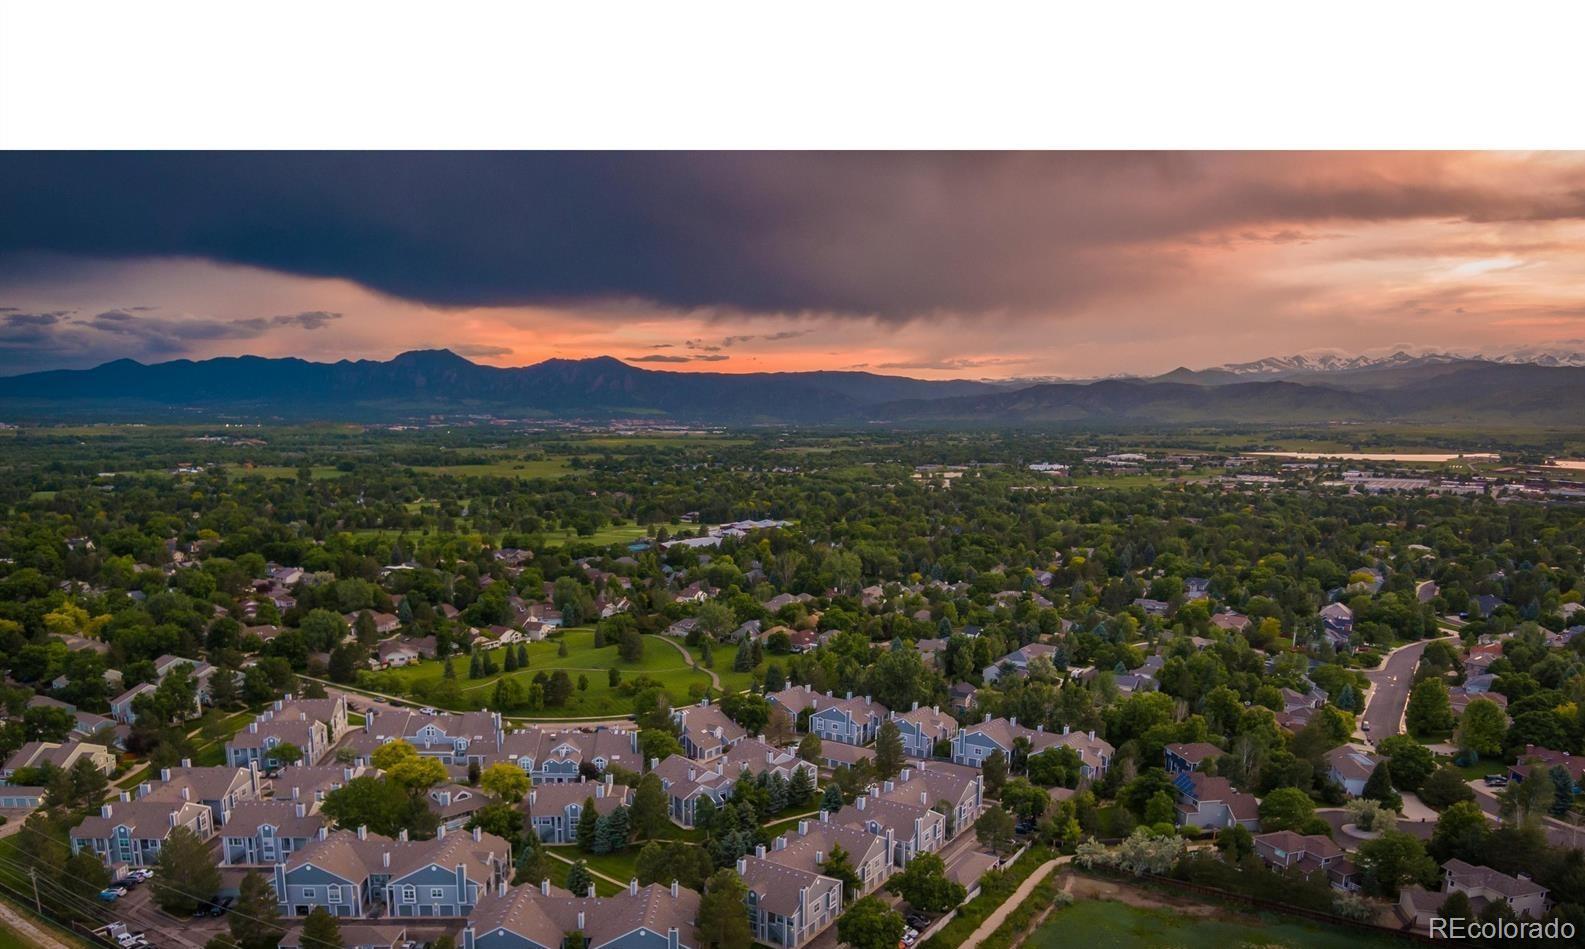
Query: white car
{"type": "Point", "coordinates": [428, 710]}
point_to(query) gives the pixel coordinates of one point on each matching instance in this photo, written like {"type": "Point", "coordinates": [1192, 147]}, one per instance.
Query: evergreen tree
{"type": "Point", "coordinates": [255, 920]}
{"type": "Point", "coordinates": [578, 879]}
{"type": "Point", "coordinates": [509, 664]}
{"type": "Point", "coordinates": [775, 679]}
{"type": "Point", "coordinates": [450, 671]}
{"type": "Point", "coordinates": [650, 814]}
{"type": "Point", "coordinates": [522, 655]}
{"type": "Point", "coordinates": [185, 874]}
{"type": "Point", "coordinates": [533, 864]}
{"type": "Point", "coordinates": [321, 931]}
{"type": "Point", "coordinates": [832, 799]}
{"type": "Point", "coordinates": [994, 770]}
{"type": "Point", "coordinates": [588, 821]}
{"type": "Point", "coordinates": [488, 662]}
{"type": "Point", "coordinates": [561, 647]}
{"type": "Point", "coordinates": [1562, 790]}
{"type": "Point", "coordinates": [888, 750]}
{"type": "Point", "coordinates": [1379, 787]}
{"type": "Point", "coordinates": [476, 666]}
{"type": "Point", "coordinates": [800, 789]}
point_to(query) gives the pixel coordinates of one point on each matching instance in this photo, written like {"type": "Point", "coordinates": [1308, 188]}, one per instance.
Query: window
{"type": "Point", "coordinates": [409, 894]}
{"type": "Point", "coordinates": [436, 893]}
{"type": "Point", "coordinates": [308, 892]}
{"type": "Point", "coordinates": [332, 894]}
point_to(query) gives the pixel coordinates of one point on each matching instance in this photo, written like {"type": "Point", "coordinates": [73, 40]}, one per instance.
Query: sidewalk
{"type": "Point", "coordinates": [1012, 902]}
{"type": "Point", "coordinates": [36, 934]}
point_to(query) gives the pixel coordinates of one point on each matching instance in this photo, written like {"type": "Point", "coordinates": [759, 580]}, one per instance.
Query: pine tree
{"type": "Point", "coordinates": [522, 656]}
{"type": "Point", "coordinates": [489, 663]}
{"type": "Point", "coordinates": [888, 750]}
{"type": "Point", "coordinates": [649, 814]}
{"type": "Point", "coordinates": [450, 671]}
{"type": "Point", "coordinates": [831, 800]}
{"type": "Point", "coordinates": [744, 660]}
{"type": "Point", "coordinates": [255, 921]}
{"type": "Point", "coordinates": [510, 662]}
{"type": "Point", "coordinates": [476, 666]}
{"type": "Point", "coordinates": [578, 879]}
{"type": "Point", "coordinates": [321, 931]}
{"type": "Point", "coordinates": [588, 821]}
{"type": "Point", "coordinates": [1378, 787]}
{"type": "Point", "coordinates": [722, 923]}
{"type": "Point", "coordinates": [800, 789]}
{"type": "Point", "coordinates": [561, 647]}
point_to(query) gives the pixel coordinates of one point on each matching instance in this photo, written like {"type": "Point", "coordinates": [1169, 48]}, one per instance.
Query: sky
{"type": "Point", "coordinates": [933, 265]}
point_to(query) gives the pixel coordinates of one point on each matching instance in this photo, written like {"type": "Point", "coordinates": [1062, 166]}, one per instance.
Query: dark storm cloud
{"type": "Point", "coordinates": [893, 235]}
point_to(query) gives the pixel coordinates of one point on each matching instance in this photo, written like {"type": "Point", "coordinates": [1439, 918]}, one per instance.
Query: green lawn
{"type": "Point", "coordinates": [724, 655]}
{"type": "Point", "coordinates": [1479, 769]}
{"type": "Point", "coordinates": [625, 533]}
{"type": "Point", "coordinates": [559, 868]}
{"type": "Point", "coordinates": [661, 662]}
{"type": "Point", "coordinates": [1103, 924]}
{"type": "Point", "coordinates": [318, 473]}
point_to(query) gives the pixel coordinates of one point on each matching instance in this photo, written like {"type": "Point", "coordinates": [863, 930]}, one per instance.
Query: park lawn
{"type": "Point", "coordinates": [724, 655]}
{"type": "Point", "coordinates": [560, 865]}
{"type": "Point", "coordinates": [624, 533]}
{"type": "Point", "coordinates": [1106, 924]}
{"type": "Point", "coordinates": [660, 662]}
{"type": "Point", "coordinates": [618, 866]}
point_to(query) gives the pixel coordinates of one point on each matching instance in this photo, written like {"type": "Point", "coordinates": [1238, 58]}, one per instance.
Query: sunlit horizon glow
{"type": "Point", "coordinates": [1071, 265]}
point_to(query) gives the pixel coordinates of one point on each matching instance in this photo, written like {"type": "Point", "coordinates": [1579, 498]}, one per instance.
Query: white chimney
{"type": "Point", "coordinates": [478, 835]}
{"type": "Point", "coordinates": [296, 792]}
{"type": "Point", "coordinates": [759, 851]}
{"type": "Point", "coordinates": [385, 858]}
{"type": "Point", "coordinates": [580, 914]}
{"type": "Point", "coordinates": [820, 857]}
{"type": "Point", "coordinates": [544, 887]}
{"type": "Point", "coordinates": [300, 809]}
{"type": "Point", "coordinates": [363, 832]}
{"type": "Point", "coordinates": [742, 865]}
{"type": "Point", "coordinates": [674, 889]}
{"type": "Point", "coordinates": [402, 835]}
{"type": "Point", "coordinates": [165, 773]}
{"type": "Point", "coordinates": [632, 887]}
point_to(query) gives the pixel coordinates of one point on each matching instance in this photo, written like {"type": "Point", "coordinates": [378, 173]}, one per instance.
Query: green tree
{"type": "Point", "coordinates": [321, 931]}
{"type": "Point", "coordinates": [1562, 789]}
{"type": "Point", "coordinates": [1379, 786]}
{"type": "Point", "coordinates": [1429, 711]}
{"type": "Point", "coordinates": [994, 830]}
{"type": "Point", "coordinates": [723, 920]}
{"type": "Point", "coordinates": [1395, 860]}
{"type": "Point", "coordinates": [1286, 809]}
{"type": "Point", "coordinates": [185, 874]}
{"type": "Point", "coordinates": [924, 884]}
{"type": "Point", "coordinates": [1461, 831]}
{"type": "Point", "coordinates": [994, 772]}
{"type": "Point", "coordinates": [831, 799]}
{"type": "Point", "coordinates": [662, 861]}
{"type": "Point", "coordinates": [1481, 728]}
{"type": "Point", "coordinates": [404, 766]}
{"type": "Point", "coordinates": [810, 747]}
{"type": "Point", "coordinates": [1412, 762]}
{"type": "Point", "coordinates": [1444, 787]}
{"type": "Point", "coordinates": [839, 866]}
{"type": "Point", "coordinates": [888, 750]}
{"type": "Point", "coordinates": [578, 879]}
{"type": "Point", "coordinates": [588, 825]}
{"type": "Point", "coordinates": [255, 920]}
{"type": "Point", "coordinates": [506, 782]}
{"type": "Point", "coordinates": [870, 924]}
{"type": "Point", "coordinates": [650, 815]}
{"type": "Point", "coordinates": [800, 788]}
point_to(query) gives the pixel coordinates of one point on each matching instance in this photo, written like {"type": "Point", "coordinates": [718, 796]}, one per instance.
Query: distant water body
{"type": "Point", "coordinates": [1432, 457]}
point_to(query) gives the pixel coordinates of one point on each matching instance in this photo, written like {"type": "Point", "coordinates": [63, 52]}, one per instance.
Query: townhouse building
{"type": "Point", "coordinates": [554, 809]}
{"type": "Point", "coordinates": [264, 833]}
{"type": "Point", "coordinates": [787, 907]}
{"type": "Point", "coordinates": [922, 728]}
{"type": "Point", "coordinates": [130, 833]}
{"type": "Point", "coordinates": [357, 874]}
{"type": "Point", "coordinates": [540, 917]}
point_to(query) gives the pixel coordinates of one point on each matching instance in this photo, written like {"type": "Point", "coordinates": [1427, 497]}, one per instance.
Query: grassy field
{"type": "Point", "coordinates": [1103, 924]}
{"type": "Point", "coordinates": [281, 471]}
{"type": "Point", "coordinates": [559, 868]}
{"type": "Point", "coordinates": [610, 534]}
{"type": "Point", "coordinates": [506, 468]}
{"type": "Point", "coordinates": [661, 662]}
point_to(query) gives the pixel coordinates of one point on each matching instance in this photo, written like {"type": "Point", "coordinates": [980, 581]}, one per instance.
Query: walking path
{"type": "Point", "coordinates": [715, 680]}
{"type": "Point", "coordinates": [34, 933]}
{"type": "Point", "coordinates": [1012, 902]}
{"type": "Point", "coordinates": [592, 871]}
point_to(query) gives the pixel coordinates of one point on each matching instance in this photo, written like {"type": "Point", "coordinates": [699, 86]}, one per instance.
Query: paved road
{"type": "Point", "coordinates": [1389, 694]}
{"type": "Point", "coordinates": [1557, 833]}
{"type": "Point", "coordinates": [1012, 902]}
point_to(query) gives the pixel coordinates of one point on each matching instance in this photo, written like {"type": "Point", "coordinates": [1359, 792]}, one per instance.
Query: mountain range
{"type": "Point", "coordinates": [1436, 388]}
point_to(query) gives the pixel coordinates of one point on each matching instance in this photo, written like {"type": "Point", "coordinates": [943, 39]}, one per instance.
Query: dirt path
{"type": "Point", "coordinates": [1012, 902]}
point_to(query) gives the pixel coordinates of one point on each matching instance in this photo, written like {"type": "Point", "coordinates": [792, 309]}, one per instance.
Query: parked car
{"type": "Point", "coordinates": [428, 710]}
{"type": "Point", "coordinates": [219, 907]}
{"type": "Point", "coordinates": [1496, 780]}
{"type": "Point", "coordinates": [112, 893]}
{"type": "Point", "coordinates": [918, 920]}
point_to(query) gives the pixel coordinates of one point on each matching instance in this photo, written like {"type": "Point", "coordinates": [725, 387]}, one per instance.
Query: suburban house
{"type": "Point", "coordinates": [955, 791]}
{"type": "Point", "coordinates": [912, 827]}
{"type": "Point", "coordinates": [1484, 887]}
{"type": "Point", "coordinates": [540, 917]}
{"type": "Point", "coordinates": [330, 711]}
{"type": "Point", "coordinates": [555, 809]}
{"type": "Point", "coordinates": [1337, 623]}
{"type": "Point", "coordinates": [220, 788]}
{"type": "Point", "coordinates": [686, 783]}
{"type": "Point", "coordinates": [264, 833]}
{"type": "Point", "coordinates": [257, 744]}
{"type": "Point", "coordinates": [808, 849]}
{"type": "Point", "coordinates": [848, 720]}
{"type": "Point", "coordinates": [962, 696]}
{"type": "Point", "coordinates": [36, 754]}
{"type": "Point", "coordinates": [454, 804]}
{"type": "Point", "coordinates": [1350, 767]}
{"type": "Point", "coordinates": [974, 743]}
{"type": "Point", "coordinates": [834, 754]}
{"type": "Point", "coordinates": [787, 907]}
{"type": "Point", "coordinates": [921, 728]}
{"type": "Point", "coordinates": [121, 706]}
{"type": "Point", "coordinates": [1308, 854]}
{"type": "Point", "coordinates": [355, 874]}
{"type": "Point", "coordinates": [131, 832]}
{"type": "Point", "coordinates": [705, 730]}
{"type": "Point", "coordinates": [15, 798]}
{"type": "Point", "coordinates": [455, 738]}
{"type": "Point", "coordinates": [1536, 758]}
{"type": "Point", "coordinates": [550, 756]}
{"type": "Point", "coordinates": [1231, 621]}
{"type": "Point", "coordinates": [1183, 757]}
{"type": "Point", "coordinates": [1017, 661]}
{"type": "Point", "coordinates": [753, 756]}
{"type": "Point", "coordinates": [1213, 804]}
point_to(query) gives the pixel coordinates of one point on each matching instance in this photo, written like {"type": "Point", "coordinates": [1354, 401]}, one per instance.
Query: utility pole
{"type": "Point", "coordinates": [33, 874]}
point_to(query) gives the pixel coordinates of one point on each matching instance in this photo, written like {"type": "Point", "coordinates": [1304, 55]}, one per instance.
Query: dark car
{"type": "Point", "coordinates": [219, 907]}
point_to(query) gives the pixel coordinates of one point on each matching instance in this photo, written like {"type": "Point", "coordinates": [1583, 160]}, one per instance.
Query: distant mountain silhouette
{"type": "Point", "coordinates": [430, 382]}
